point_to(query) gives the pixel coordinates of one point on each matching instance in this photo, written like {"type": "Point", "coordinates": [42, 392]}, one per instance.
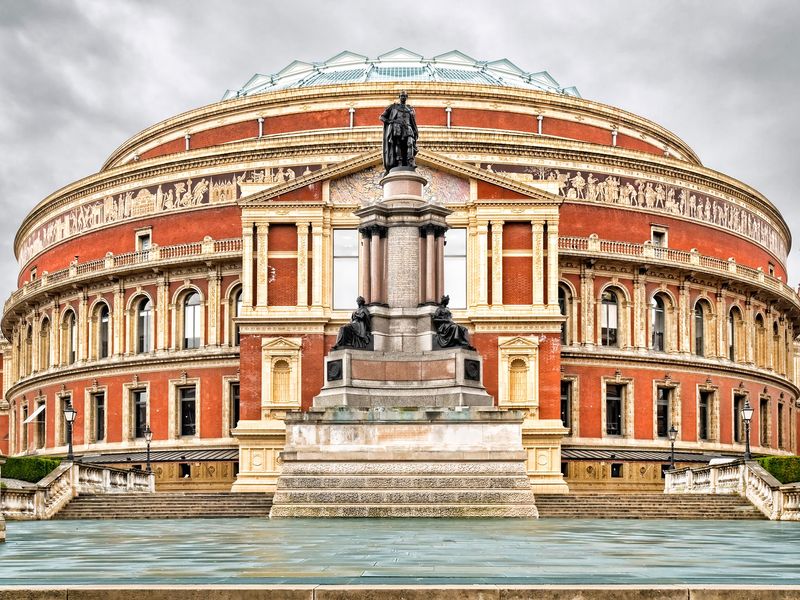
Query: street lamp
{"type": "Point", "coordinates": [673, 435]}
{"type": "Point", "coordinates": [69, 416]}
{"type": "Point", "coordinates": [747, 414]}
{"type": "Point", "coordinates": [148, 437]}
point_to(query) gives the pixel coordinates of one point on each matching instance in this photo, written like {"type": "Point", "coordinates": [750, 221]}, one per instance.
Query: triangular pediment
{"type": "Point", "coordinates": [281, 343]}
{"type": "Point", "coordinates": [346, 58]}
{"type": "Point", "coordinates": [519, 343]}
{"type": "Point", "coordinates": [400, 54]}
{"type": "Point", "coordinates": [356, 181]}
{"type": "Point", "coordinates": [454, 56]}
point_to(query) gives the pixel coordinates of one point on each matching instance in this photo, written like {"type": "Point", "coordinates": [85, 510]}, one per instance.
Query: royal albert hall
{"type": "Point", "coordinates": [615, 288]}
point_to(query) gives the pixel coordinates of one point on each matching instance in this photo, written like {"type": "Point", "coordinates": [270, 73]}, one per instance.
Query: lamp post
{"type": "Point", "coordinates": [148, 437]}
{"type": "Point", "coordinates": [673, 435]}
{"type": "Point", "coordinates": [747, 414]}
{"type": "Point", "coordinates": [69, 416]}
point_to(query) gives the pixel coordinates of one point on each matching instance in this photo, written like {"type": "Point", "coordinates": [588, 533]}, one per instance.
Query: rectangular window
{"type": "Point", "coordinates": [235, 405]}
{"type": "Point", "coordinates": [781, 441]}
{"type": "Point", "coordinates": [188, 402]}
{"type": "Point", "coordinates": [144, 240]}
{"type": "Point", "coordinates": [771, 269]}
{"type": "Point", "coordinates": [616, 470]}
{"type": "Point", "coordinates": [738, 425]}
{"type": "Point", "coordinates": [566, 402]}
{"type": "Point", "coordinates": [764, 421]}
{"type": "Point", "coordinates": [614, 409]}
{"type": "Point", "coordinates": [455, 267]}
{"type": "Point", "coordinates": [41, 421]}
{"type": "Point", "coordinates": [139, 412]}
{"type": "Point", "coordinates": [345, 268]}
{"type": "Point", "coordinates": [703, 413]}
{"type": "Point", "coordinates": [99, 401]}
{"type": "Point", "coordinates": [61, 430]}
{"type": "Point", "coordinates": [663, 399]}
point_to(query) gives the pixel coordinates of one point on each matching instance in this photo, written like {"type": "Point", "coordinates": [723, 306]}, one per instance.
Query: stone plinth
{"type": "Point", "coordinates": [391, 462]}
{"type": "Point", "coordinates": [444, 378]}
{"type": "Point", "coordinates": [2, 518]}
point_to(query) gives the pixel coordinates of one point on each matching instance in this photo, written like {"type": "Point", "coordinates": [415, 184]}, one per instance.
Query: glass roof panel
{"type": "Point", "coordinates": [402, 65]}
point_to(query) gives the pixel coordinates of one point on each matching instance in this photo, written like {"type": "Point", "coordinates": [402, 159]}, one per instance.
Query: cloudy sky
{"type": "Point", "coordinates": [81, 76]}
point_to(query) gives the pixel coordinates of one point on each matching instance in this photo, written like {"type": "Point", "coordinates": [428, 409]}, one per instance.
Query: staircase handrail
{"type": "Point", "coordinates": [68, 480]}
{"type": "Point", "coordinates": [776, 500]}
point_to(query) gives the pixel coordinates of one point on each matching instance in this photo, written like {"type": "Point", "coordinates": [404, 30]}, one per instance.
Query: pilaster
{"type": "Point", "coordinates": [483, 266]}
{"type": "Point", "coordinates": [302, 264]}
{"type": "Point", "coordinates": [497, 263]}
{"type": "Point", "coordinates": [587, 305]}
{"type": "Point", "coordinates": [162, 313]}
{"type": "Point", "coordinates": [684, 319]}
{"type": "Point", "coordinates": [552, 264]}
{"type": "Point", "coordinates": [118, 319]}
{"type": "Point", "coordinates": [213, 306]}
{"type": "Point", "coordinates": [83, 327]}
{"type": "Point", "coordinates": [537, 280]}
{"type": "Point", "coordinates": [317, 262]}
{"type": "Point", "coordinates": [262, 264]}
{"type": "Point", "coordinates": [247, 266]}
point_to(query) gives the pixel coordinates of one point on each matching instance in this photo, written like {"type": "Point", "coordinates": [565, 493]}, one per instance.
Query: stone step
{"type": "Point", "coordinates": [409, 467]}
{"type": "Point", "coordinates": [405, 511]}
{"type": "Point", "coordinates": [166, 505]}
{"type": "Point", "coordinates": [403, 482]}
{"type": "Point", "coordinates": [344, 496]}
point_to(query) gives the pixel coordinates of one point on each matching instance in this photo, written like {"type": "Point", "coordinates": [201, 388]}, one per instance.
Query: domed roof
{"type": "Point", "coordinates": [401, 65]}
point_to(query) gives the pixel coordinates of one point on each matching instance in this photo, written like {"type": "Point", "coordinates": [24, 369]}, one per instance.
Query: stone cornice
{"type": "Point", "coordinates": [346, 144]}
{"type": "Point", "coordinates": [672, 362]}
{"type": "Point", "coordinates": [449, 94]}
{"type": "Point", "coordinates": [202, 358]}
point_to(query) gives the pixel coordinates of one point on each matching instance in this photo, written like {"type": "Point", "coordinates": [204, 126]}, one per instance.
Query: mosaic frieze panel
{"type": "Point", "coordinates": [592, 186]}
{"type": "Point", "coordinates": [152, 200]}
{"type": "Point", "coordinates": [364, 187]}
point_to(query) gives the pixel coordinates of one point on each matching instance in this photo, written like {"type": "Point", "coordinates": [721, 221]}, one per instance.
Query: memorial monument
{"type": "Point", "coordinates": [403, 426]}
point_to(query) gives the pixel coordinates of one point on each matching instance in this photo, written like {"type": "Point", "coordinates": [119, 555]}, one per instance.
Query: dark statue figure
{"type": "Point", "coordinates": [399, 135]}
{"type": "Point", "coordinates": [448, 333]}
{"type": "Point", "coordinates": [358, 332]}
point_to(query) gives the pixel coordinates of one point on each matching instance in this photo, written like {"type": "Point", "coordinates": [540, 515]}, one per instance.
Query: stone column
{"type": "Point", "coordinates": [639, 312]}
{"type": "Point", "coordinates": [262, 264]}
{"type": "Point", "coordinates": [749, 332]}
{"type": "Point", "coordinates": [497, 263]}
{"type": "Point", "coordinates": [684, 320]}
{"type": "Point", "coordinates": [83, 328]}
{"type": "Point", "coordinates": [722, 326]}
{"type": "Point", "coordinates": [364, 265]}
{"type": "Point", "coordinates": [55, 339]}
{"type": "Point", "coordinates": [423, 260]}
{"type": "Point", "coordinates": [430, 264]}
{"type": "Point", "coordinates": [119, 319]}
{"type": "Point", "coordinates": [439, 267]}
{"type": "Point", "coordinates": [34, 349]}
{"type": "Point", "coordinates": [552, 264]}
{"type": "Point", "coordinates": [247, 266]}
{"type": "Point", "coordinates": [376, 266]}
{"type": "Point", "coordinates": [317, 262]}
{"type": "Point", "coordinates": [213, 304]}
{"type": "Point", "coordinates": [302, 264]}
{"type": "Point", "coordinates": [162, 313]}
{"type": "Point", "coordinates": [483, 259]}
{"type": "Point", "coordinates": [587, 305]}
{"type": "Point", "coordinates": [537, 228]}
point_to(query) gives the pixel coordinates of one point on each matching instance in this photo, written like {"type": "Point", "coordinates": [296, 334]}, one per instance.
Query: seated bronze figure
{"type": "Point", "coordinates": [357, 333]}
{"type": "Point", "coordinates": [448, 333]}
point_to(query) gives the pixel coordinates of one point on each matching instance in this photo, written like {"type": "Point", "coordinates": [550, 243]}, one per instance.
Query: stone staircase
{"type": "Point", "coordinates": [646, 506]}
{"type": "Point", "coordinates": [167, 506]}
{"type": "Point", "coordinates": [404, 489]}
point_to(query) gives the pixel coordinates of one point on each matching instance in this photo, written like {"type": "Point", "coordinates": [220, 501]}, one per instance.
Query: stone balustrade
{"type": "Point", "coordinates": [779, 502]}
{"type": "Point", "coordinates": [53, 492]}
{"type": "Point", "coordinates": [156, 255]}
{"type": "Point", "coordinates": [669, 256]}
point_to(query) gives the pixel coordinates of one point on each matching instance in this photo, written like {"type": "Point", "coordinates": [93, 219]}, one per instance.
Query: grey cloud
{"type": "Point", "coordinates": [81, 76]}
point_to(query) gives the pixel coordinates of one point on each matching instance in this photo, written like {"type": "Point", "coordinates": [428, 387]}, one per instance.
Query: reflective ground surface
{"type": "Point", "coordinates": [401, 551]}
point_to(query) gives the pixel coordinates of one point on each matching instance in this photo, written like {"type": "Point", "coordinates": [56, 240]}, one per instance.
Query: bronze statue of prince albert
{"type": "Point", "coordinates": [400, 135]}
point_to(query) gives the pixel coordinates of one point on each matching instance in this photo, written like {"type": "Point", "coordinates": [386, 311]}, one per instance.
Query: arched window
{"type": "Point", "coordinates": [776, 347]}
{"type": "Point", "coordinates": [144, 326]}
{"type": "Point", "coordinates": [191, 321]}
{"type": "Point", "coordinates": [102, 332]}
{"type": "Point", "coordinates": [518, 381]}
{"type": "Point", "coordinates": [761, 342]}
{"type": "Point", "coordinates": [44, 345]}
{"type": "Point", "coordinates": [237, 304]}
{"type": "Point", "coordinates": [281, 374]}
{"type": "Point", "coordinates": [609, 319]}
{"type": "Point", "coordinates": [657, 323]}
{"type": "Point", "coordinates": [734, 333]}
{"type": "Point", "coordinates": [71, 338]}
{"type": "Point", "coordinates": [29, 350]}
{"type": "Point", "coordinates": [699, 330]}
{"type": "Point", "coordinates": [565, 307]}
